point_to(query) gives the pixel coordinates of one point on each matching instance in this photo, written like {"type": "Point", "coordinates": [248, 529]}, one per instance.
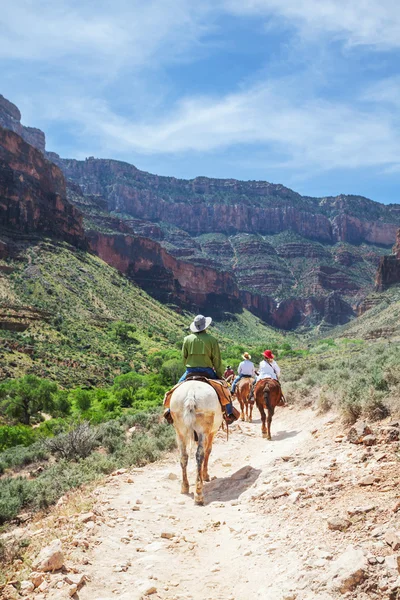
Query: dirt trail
{"type": "Point", "coordinates": [262, 533]}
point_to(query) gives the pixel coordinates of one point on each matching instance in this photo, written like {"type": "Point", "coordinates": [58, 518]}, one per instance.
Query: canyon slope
{"type": "Point", "coordinates": [290, 259]}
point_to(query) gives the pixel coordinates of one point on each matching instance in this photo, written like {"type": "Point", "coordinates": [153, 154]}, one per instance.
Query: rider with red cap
{"type": "Point", "coordinates": [268, 367]}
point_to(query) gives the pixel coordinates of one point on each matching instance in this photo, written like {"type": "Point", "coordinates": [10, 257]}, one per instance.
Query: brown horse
{"type": "Point", "coordinates": [243, 390]}
{"type": "Point", "coordinates": [268, 395]}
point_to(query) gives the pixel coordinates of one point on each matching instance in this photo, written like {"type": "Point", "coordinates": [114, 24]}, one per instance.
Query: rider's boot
{"type": "Point", "coordinates": [230, 414]}
{"type": "Point", "coordinates": [168, 416]}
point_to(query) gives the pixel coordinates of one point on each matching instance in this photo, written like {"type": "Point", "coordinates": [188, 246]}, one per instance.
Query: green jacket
{"type": "Point", "coordinates": [202, 350]}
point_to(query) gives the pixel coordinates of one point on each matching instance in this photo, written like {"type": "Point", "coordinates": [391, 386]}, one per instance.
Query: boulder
{"type": "Point", "coordinates": [348, 571]}
{"type": "Point", "coordinates": [26, 588]}
{"type": "Point", "coordinates": [358, 432]}
{"type": "Point", "coordinates": [393, 539]}
{"type": "Point", "coordinates": [9, 593]}
{"type": "Point", "coordinates": [369, 440]}
{"type": "Point", "coordinates": [36, 578]}
{"type": "Point", "coordinates": [338, 523]}
{"type": "Point", "coordinates": [51, 558]}
{"type": "Point", "coordinates": [391, 434]}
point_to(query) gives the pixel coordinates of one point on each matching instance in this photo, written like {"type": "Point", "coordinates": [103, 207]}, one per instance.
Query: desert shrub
{"type": "Point", "coordinates": [20, 456]}
{"type": "Point", "coordinates": [325, 401]}
{"type": "Point", "coordinates": [374, 407]}
{"type": "Point", "coordinates": [351, 409]}
{"type": "Point", "coordinates": [124, 331]}
{"type": "Point", "coordinates": [77, 443]}
{"type": "Point", "coordinates": [111, 436]}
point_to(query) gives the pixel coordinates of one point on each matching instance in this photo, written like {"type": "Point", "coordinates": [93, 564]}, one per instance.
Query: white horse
{"type": "Point", "coordinates": [195, 408]}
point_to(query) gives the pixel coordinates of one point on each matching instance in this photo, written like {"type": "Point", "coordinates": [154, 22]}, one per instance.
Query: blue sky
{"type": "Point", "coordinates": [300, 92]}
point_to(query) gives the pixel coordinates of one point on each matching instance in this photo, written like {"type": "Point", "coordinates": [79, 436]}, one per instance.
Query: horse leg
{"type": "Point", "coordinates": [184, 462]}
{"type": "Point", "coordinates": [269, 421]}
{"type": "Point", "coordinates": [263, 417]}
{"type": "Point", "coordinates": [198, 497]}
{"type": "Point", "coordinates": [251, 404]}
{"type": "Point", "coordinates": [239, 397]}
{"type": "Point", "coordinates": [207, 452]}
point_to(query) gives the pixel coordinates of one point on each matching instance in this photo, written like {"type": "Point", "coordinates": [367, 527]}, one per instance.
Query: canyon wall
{"type": "Point", "coordinates": [163, 276]}
{"type": "Point", "coordinates": [33, 193]}
{"type": "Point", "coordinates": [389, 268]}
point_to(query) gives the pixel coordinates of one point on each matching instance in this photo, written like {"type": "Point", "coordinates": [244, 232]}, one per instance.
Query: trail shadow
{"type": "Point", "coordinates": [230, 488]}
{"type": "Point", "coordinates": [284, 435]}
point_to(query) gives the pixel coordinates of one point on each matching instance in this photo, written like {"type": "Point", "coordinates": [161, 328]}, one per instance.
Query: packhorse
{"type": "Point", "coordinates": [243, 391]}
{"type": "Point", "coordinates": [196, 413]}
{"type": "Point", "coordinates": [268, 395]}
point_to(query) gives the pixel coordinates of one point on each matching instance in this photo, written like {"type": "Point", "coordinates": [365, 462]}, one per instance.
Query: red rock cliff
{"type": "Point", "coordinates": [33, 193]}
{"type": "Point", "coordinates": [165, 277]}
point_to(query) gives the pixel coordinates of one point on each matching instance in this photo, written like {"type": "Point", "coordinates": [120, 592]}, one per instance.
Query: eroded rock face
{"type": "Point", "coordinates": [165, 277]}
{"type": "Point", "coordinates": [10, 118]}
{"type": "Point", "coordinates": [33, 194]}
{"type": "Point", "coordinates": [389, 268]}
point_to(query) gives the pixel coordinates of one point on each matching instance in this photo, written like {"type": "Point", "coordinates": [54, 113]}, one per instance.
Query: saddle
{"type": "Point", "coordinates": [221, 387]}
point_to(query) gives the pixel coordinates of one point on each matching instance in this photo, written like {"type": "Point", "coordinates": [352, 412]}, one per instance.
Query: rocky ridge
{"type": "Point", "coordinates": [292, 260]}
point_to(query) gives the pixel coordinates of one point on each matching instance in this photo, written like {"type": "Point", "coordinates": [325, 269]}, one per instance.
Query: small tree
{"type": "Point", "coordinates": [25, 398]}
{"type": "Point", "coordinates": [126, 387]}
{"type": "Point", "coordinates": [83, 399]}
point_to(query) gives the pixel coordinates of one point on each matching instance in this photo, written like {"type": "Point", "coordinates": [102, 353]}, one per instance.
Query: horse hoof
{"type": "Point", "coordinates": [185, 489]}
{"type": "Point", "coordinates": [207, 478]}
{"type": "Point", "coordinates": [199, 501]}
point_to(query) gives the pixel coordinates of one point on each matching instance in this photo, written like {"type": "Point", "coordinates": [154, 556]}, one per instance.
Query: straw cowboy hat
{"type": "Point", "coordinates": [268, 354]}
{"type": "Point", "coordinates": [200, 323]}
{"type": "Point", "coordinates": [246, 356]}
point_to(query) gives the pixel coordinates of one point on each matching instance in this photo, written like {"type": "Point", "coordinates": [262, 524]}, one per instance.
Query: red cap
{"type": "Point", "coordinates": [268, 354]}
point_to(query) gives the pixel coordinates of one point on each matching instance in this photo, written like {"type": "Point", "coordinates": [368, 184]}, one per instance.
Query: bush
{"type": "Point", "coordinates": [111, 436]}
{"type": "Point", "coordinates": [171, 372]}
{"type": "Point", "coordinates": [77, 443]}
{"type": "Point", "coordinates": [82, 399]}
{"type": "Point", "coordinates": [18, 435]}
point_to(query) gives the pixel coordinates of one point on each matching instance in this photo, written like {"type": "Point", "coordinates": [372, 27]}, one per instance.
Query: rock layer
{"type": "Point", "coordinates": [165, 277]}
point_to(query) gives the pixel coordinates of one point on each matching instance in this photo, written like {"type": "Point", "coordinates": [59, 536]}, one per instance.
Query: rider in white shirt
{"type": "Point", "coordinates": [246, 369]}
{"type": "Point", "coordinates": [268, 367]}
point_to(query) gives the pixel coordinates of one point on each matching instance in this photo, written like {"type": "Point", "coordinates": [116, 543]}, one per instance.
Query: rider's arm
{"type": "Point", "coordinates": [185, 353]}
{"type": "Point", "coordinates": [216, 359]}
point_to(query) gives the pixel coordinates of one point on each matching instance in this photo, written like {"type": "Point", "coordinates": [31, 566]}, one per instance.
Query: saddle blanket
{"type": "Point", "coordinates": [221, 387]}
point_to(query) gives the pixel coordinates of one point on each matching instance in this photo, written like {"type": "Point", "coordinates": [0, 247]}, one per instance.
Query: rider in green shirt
{"type": "Point", "coordinates": [201, 354]}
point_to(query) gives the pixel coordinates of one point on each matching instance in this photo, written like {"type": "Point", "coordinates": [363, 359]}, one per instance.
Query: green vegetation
{"type": "Point", "coordinates": [93, 355]}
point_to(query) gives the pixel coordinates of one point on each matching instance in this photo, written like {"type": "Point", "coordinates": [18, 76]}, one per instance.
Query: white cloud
{"type": "Point", "coordinates": [120, 32]}
{"type": "Point", "coordinates": [309, 133]}
{"type": "Point", "coordinates": [370, 22]}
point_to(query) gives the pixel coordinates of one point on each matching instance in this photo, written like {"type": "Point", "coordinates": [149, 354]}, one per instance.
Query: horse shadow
{"type": "Point", "coordinates": [284, 435]}
{"type": "Point", "coordinates": [230, 488]}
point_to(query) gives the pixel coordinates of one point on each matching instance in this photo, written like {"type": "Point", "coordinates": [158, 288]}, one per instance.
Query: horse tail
{"type": "Point", "coordinates": [189, 409]}
{"type": "Point", "coordinates": [266, 397]}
